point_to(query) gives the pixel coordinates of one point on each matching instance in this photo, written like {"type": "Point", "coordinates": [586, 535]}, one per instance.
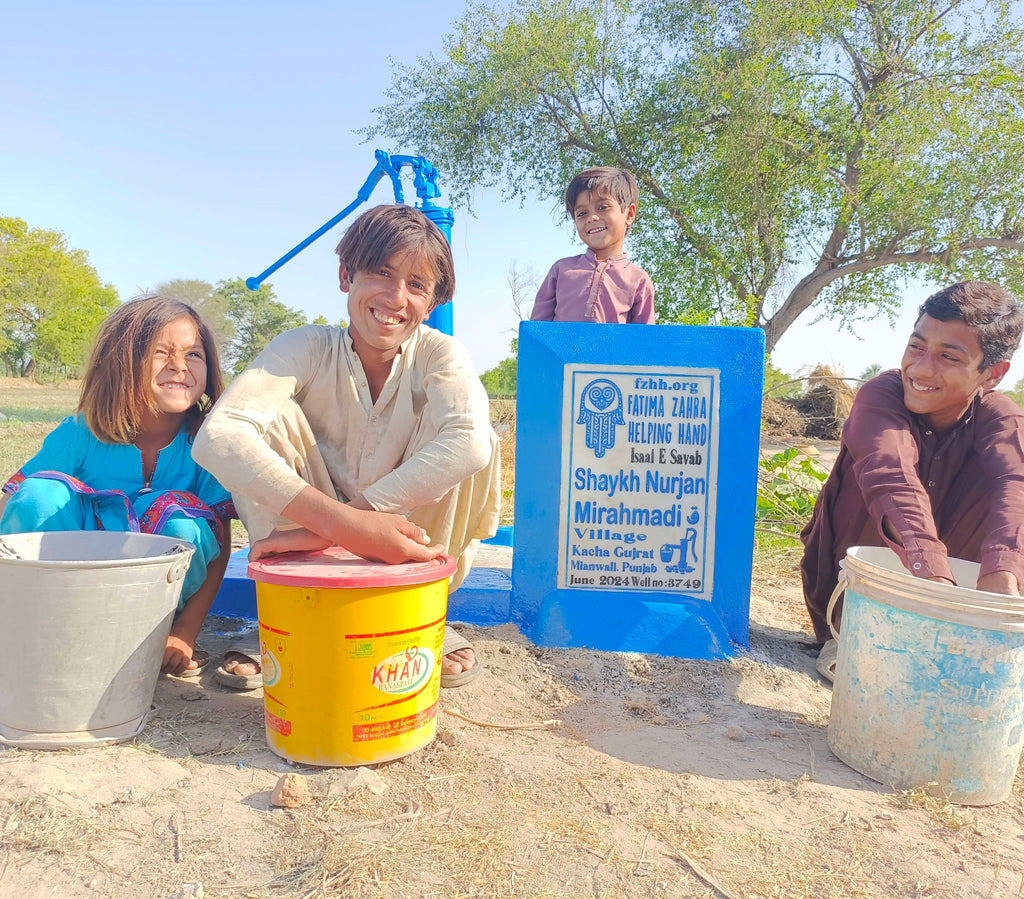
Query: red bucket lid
{"type": "Point", "coordinates": [335, 567]}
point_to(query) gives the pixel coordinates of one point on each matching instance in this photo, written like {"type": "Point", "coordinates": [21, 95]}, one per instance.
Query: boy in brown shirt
{"type": "Point", "coordinates": [932, 458]}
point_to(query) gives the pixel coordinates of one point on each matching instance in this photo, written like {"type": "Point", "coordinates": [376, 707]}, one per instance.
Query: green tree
{"type": "Point", "coordinates": [789, 153]}
{"type": "Point", "coordinates": [778, 384]}
{"type": "Point", "coordinates": [872, 371]}
{"type": "Point", "coordinates": [322, 320]}
{"type": "Point", "coordinates": [257, 318]}
{"type": "Point", "coordinates": [51, 299]}
{"type": "Point", "coordinates": [1016, 393]}
{"type": "Point", "coordinates": [501, 380]}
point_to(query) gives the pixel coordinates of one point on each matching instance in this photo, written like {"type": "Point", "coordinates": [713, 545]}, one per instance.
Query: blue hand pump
{"type": "Point", "coordinates": [425, 183]}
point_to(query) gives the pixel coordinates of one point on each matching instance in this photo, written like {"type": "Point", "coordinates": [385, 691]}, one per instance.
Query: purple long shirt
{"type": "Point", "coordinates": [583, 289]}
{"type": "Point", "coordinates": [958, 492]}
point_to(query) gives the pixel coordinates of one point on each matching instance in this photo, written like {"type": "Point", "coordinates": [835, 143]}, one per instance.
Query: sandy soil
{"type": "Point", "coordinates": [666, 778]}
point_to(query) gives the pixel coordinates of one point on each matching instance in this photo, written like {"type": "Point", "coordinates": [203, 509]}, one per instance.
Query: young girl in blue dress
{"type": "Point", "coordinates": [124, 461]}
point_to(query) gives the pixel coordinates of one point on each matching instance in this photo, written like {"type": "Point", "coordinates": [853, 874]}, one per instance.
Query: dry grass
{"type": "Point", "coordinates": [526, 814]}
{"type": "Point", "coordinates": [503, 419]}
{"type": "Point", "coordinates": [363, 844]}
{"type": "Point", "coordinates": [776, 556]}
{"type": "Point", "coordinates": [31, 411]}
{"type": "Point", "coordinates": [780, 419]}
{"type": "Point", "coordinates": [345, 852]}
{"type": "Point", "coordinates": [42, 825]}
{"type": "Point", "coordinates": [939, 808]}
{"type": "Point", "coordinates": [826, 405]}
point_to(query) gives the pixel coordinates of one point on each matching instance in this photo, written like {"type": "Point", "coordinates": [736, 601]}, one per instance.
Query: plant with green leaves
{"type": "Point", "coordinates": [779, 384]}
{"type": "Point", "coordinates": [790, 154]}
{"type": "Point", "coordinates": [1016, 393]}
{"type": "Point", "coordinates": [788, 484]}
{"type": "Point", "coordinates": [501, 380]}
{"type": "Point", "coordinates": [871, 371]}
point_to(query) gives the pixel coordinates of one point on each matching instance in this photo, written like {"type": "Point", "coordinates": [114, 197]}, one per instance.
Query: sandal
{"type": "Point", "coordinates": [240, 681]}
{"type": "Point", "coordinates": [826, 663]}
{"type": "Point", "coordinates": [453, 642]}
{"type": "Point", "coordinates": [200, 657]}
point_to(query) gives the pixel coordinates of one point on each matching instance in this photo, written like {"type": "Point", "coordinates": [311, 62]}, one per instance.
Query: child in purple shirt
{"type": "Point", "coordinates": [602, 285]}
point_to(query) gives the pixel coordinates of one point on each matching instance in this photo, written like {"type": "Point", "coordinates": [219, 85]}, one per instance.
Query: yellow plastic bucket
{"type": "Point", "coordinates": [351, 655]}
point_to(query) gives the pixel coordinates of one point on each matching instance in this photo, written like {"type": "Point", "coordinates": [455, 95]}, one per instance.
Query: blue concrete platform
{"type": "Point", "coordinates": [484, 597]}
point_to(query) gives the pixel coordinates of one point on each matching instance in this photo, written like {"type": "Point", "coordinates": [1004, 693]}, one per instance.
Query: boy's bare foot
{"type": "Point", "coordinates": [454, 663]}
{"type": "Point", "coordinates": [460, 664]}
{"type": "Point", "coordinates": [240, 670]}
{"type": "Point", "coordinates": [241, 664]}
{"type": "Point", "coordinates": [458, 661]}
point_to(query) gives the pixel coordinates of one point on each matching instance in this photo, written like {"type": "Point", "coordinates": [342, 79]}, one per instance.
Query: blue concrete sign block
{"type": "Point", "coordinates": [636, 480]}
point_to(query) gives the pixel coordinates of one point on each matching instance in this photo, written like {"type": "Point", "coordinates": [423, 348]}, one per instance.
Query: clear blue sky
{"type": "Point", "coordinates": [204, 140]}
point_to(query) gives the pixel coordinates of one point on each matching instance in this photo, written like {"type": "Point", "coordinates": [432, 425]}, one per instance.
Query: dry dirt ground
{"type": "Point", "coordinates": [665, 778]}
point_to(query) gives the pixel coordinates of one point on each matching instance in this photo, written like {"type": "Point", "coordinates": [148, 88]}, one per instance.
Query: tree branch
{"type": "Point", "coordinates": [808, 288]}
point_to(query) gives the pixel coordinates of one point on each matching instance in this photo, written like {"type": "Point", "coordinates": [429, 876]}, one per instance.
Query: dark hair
{"type": "Point", "coordinates": [379, 233]}
{"type": "Point", "coordinates": [605, 179]}
{"type": "Point", "coordinates": [115, 390]}
{"type": "Point", "coordinates": [993, 312]}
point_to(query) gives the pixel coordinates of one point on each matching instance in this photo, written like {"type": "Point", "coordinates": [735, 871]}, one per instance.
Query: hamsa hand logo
{"type": "Point", "coordinates": [600, 411]}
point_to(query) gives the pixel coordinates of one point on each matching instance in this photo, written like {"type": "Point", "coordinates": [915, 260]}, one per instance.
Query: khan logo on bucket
{"type": "Point", "coordinates": [403, 672]}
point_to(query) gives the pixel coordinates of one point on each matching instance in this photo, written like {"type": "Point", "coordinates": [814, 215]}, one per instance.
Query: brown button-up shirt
{"type": "Point", "coordinates": [958, 492]}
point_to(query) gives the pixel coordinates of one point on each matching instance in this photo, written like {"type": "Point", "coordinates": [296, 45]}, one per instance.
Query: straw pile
{"type": "Point", "coordinates": [780, 419]}
{"type": "Point", "coordinates": [819, 412]}
{"type": "Point", "coordinates": [826, 405]}
{"type": "Point", "coordinates": [503, 420]}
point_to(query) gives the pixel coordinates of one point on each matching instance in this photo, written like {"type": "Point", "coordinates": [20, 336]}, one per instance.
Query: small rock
{"type": "Point", "coordinates": [369, 779]}
{"type": "Point", "coordinates": [341, 781]}
{"type": "Point", "coordinates": [291, 791]}
{"type": "Point", "coordinates": [736, 733]}
{"type": "Point", "coordinates": [448, 737]}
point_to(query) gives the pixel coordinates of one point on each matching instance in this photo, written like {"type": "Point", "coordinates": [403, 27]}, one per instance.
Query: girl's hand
{"type": "Point", "coordinates": [177, 655]}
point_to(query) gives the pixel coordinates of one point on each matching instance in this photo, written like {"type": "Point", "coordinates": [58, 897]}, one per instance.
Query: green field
{"type": "Point", "coordinates": [31, 411]}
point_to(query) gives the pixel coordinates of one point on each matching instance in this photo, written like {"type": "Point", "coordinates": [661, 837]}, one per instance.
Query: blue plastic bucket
{"type": "Point", "coordinates": [928, 681]}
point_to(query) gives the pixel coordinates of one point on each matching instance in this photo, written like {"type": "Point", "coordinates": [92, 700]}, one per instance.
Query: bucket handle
{"type": "Point", "coordinates": [176, 572]}
{"type": "Point", "coordinates": [840, 589]}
